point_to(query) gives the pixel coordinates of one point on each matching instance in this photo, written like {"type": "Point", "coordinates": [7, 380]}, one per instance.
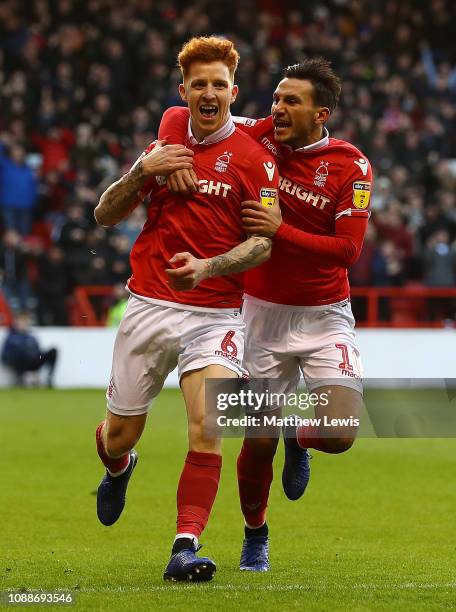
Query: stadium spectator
{"type": "Point", "coordinates": [439, 271]}
{"type": "Point", "coordinates": [54, 145]}
{"type": "Point", "coordinates": [440, 261]}
{"type": "Point", "coordinates": [18, 190]}
{"type": "Point", "coordinates": [390, 226]}
{"type": "Point", "coordinates": [14, 255]}
{"type": "Point", "coordinates": [52, 287]}
{"type": "Point", "coordinates": [132, 226]}
{"type": "Point", "coordinates": [72, 233]}
{"type": "Point", "coordinates": [22, 354]}
{"type": "Point", "coordinates": [388, 269]}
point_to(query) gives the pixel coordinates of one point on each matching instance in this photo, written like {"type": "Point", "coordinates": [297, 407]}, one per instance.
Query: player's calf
{"type": "Point", "coordinates": [114, 463]}
{"type": "Point", "coordinates": [336, 446]}
{"type": "Point", "coordinates": [255, 473]}
{"type": "Point", "coordinates": [121, 433]}
{"type": "Point", "coordinates": [119, 461]}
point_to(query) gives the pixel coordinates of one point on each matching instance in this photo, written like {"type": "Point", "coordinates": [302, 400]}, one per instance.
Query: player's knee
{"type": "Point", "coordinates": [262, 447]}
{"type": "Point", "coordinates": [196, 429]}
{"type": "Point", "coordinates": [338, 445]}
{"type": "Point", "coordinates": [201, 440]}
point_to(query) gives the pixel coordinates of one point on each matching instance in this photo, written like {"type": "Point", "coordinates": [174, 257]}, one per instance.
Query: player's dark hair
{"type": "Point", "coordinates": [326, 84]}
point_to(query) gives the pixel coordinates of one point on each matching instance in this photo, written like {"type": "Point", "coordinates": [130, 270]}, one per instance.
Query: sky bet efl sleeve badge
{"type": "Point", "coordinates": [268, 197]}
{"type": "Point", "coordinates": [361, 194]}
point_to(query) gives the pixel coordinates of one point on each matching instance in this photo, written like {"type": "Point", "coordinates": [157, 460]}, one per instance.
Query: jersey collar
{"type": "Point", "coordinates": [323, 142]}
{"type": "Point", "coordinates": [225, 131]}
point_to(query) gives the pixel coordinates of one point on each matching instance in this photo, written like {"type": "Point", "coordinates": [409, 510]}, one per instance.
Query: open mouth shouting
{"type": "Point", "coordinates": [280, 125]}
{"type": "Point", "coordinates": [208, 111]}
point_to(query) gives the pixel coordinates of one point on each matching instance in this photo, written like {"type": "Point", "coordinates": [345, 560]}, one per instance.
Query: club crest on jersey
{"type": "Point", "coordinates": [361, 194]}
{"type": "Point", "coordinates": [221, 165]}
{"type": "Point", "coordinates": [321, 174]}
{"type": "Point", "coordinates": [268, 197]}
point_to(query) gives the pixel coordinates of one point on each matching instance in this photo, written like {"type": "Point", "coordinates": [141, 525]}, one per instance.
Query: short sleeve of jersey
{"type": "Point", "coordinates": [356, 187]}
{"type": "Point", "coordinates": [174, 125]}
{"type": "Point", "coordinates": [261, 180]}
{"type": "Point", "coordinates": [255, 128]}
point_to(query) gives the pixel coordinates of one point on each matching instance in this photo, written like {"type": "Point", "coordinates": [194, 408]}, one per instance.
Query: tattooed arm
{"type": "Point", "coordinates": [250, 253]}
{"type": "Point", "coordinates": [125, 194]}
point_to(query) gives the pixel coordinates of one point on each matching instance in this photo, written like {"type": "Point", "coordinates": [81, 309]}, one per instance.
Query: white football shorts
{"type": "Point", "coordinates": [319, 341]}
{"type": "Point", "coordinates": [153, 339]}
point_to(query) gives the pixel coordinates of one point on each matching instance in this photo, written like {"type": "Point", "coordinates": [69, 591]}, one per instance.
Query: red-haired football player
{"type": "Point", "coordinates": [181, 310]}
{"type": "Point", "coordinates": [297, 304]}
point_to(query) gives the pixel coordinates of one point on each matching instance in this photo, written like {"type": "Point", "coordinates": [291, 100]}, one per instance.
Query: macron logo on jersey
{"type": "Point", "coordinates": [269, 146]}
{"type": "Point", "coordinates": [294, 189]}
{"type": "Point", "coordinates": [270, 169]}
{"type": "Point", "coordinates": [362, 165]}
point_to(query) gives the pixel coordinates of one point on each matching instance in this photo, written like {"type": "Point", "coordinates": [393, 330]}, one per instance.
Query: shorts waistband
{"type": "Point", "coordinates": [179, 306]}
{"type": "Point", "coordinates": [290, 307]}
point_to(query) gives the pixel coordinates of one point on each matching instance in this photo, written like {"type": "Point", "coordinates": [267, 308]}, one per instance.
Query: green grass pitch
{"type": "Point", "coordinates": [376, 529]}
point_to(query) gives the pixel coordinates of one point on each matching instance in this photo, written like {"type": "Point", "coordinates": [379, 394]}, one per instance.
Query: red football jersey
{"type": "Point", "coordinates": [324, 193]}
{"type": "Point", "coordinates": [231, 168]}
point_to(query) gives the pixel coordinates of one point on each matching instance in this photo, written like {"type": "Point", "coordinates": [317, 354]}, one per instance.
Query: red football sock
{"type": "Point", "coordinates": [196, 492]}
{"type": "Point", "coordinates": [113, 465]}
{"type": "Point", "coordinates": [309, 437]}
{"type": "Point", "coordinates": [254, 480]}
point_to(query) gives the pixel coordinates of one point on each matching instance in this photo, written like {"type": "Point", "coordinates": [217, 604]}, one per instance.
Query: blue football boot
{"type": "Point", "coordinates": [112, 491]}
{"type": "Point", "coordinates": [186, 566]}
{"type": "Point", "coordinates": [255, 554]}
{"type": "Point", "coordinates": [296, 468]}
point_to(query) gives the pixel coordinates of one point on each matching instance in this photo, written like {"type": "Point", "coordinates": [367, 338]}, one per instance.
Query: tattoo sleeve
{"type": "Point", "coordinates": [250, 253]}
{"type": "Point", "coordinates": [121, 197]}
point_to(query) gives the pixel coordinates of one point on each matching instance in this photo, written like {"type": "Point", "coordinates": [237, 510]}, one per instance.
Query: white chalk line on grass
{"type": "Point", "coordinates": [271, 587]}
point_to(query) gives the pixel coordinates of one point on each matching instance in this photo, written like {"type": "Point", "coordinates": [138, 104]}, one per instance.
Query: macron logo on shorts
{"type": "Point", "coordinates": [228, 348]}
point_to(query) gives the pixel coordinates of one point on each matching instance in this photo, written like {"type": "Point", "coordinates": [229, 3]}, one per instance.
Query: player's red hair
{"type": "Point", "coordinates": [208, 49]}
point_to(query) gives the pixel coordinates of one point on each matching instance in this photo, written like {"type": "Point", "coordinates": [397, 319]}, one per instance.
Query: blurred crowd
{"type": "Point", "coordinates": [83, 84]}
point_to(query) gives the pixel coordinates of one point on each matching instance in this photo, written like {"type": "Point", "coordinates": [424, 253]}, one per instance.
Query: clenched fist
{"type": "Point", "coordinates": [190, 273]}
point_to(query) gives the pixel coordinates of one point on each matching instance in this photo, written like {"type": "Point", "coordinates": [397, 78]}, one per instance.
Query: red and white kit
{"type": "Point", "coordinates": [199, 327]}
{"type": "Point", "coordinates": [324, 193]}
